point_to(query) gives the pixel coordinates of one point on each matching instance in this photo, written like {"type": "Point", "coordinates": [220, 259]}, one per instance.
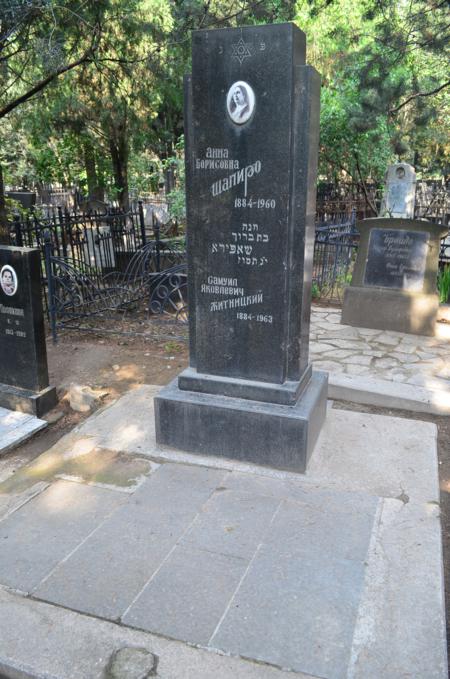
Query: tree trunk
{"type": "Point", "coordinates": [95, 191]}
{"type": "Point", "coordinates": [118, 146]}
{"type": "Point", "coordinates": [4, 230]}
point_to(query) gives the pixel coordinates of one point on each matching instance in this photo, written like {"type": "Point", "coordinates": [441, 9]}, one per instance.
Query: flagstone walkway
{"type": "Point", "coordinates": [394, 356]}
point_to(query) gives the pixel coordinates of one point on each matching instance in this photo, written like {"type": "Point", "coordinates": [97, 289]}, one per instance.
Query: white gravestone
{"type": "Point", "coordinates": [400, 192]}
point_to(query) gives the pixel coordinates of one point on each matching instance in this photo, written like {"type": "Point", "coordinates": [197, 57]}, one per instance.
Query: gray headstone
{"type": "Point", "coordinates": [394, 281]}
{"type": "Point", "coordinates": [23, 357]}
{"type": "Point", "coordinates": [400, 192]}
{"type": "Point", "coordinates": [252, 127]}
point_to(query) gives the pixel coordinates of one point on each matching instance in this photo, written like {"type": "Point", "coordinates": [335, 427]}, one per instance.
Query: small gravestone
{"type": "Point", "coordinates": [400, 192]}
{"type": "Point", "coordinates": [23, 358]}
{"type": "Point", "coordinates": [394, 281]}
{"type": "Point", "coordinates": [252, 127]}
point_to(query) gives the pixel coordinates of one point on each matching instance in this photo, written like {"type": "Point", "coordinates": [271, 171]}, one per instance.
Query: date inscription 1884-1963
{"type": "Point", "coordinates": [251, 125]}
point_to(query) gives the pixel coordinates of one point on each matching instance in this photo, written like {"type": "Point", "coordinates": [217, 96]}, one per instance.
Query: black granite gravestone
{"type": "Point", "coordinates": [251, 123]}
{"type": "Point", "coordinates": [23, 358]}
{"type": "Point", "coordinates": [394, 283]}
{"type": "Point", "coordinates": [396, 258]}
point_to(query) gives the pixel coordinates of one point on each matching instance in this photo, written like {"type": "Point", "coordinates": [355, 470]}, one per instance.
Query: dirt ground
{"type": "Point", "coordinates": [116, 364]}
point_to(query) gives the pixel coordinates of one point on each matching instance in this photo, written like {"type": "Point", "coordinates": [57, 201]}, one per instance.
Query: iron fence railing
{"type": "Point", "coordinates": [97, 252]}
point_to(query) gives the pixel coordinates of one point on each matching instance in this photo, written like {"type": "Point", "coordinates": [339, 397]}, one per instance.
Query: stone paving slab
{"type": "Point", "coordinates": [416, 367]}
{"type": "Point", "coordinates": [355, 451]}
{"type": "Point", "coordinates": [46, 529]}
{"type": "Point", "coordinates": [342, 577]}
{"type": "Point", "coordinates": [109, 569]}
{"type": "Point", "coordinates": [186, 598]}
{"type": "Point", "coordinates": [16, 428]}
{"type": "Point", "coordinates": [399, 630]}
{"type": "Point", "coordinates": [41, 641]}
{"type": "Point", "coordinates": [295, 613]}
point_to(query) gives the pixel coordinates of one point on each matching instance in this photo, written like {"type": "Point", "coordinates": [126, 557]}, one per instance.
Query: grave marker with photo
{"type": "Point", "coordinates": [24, 383]}
{"type": "Point", "coordinates": [252, 128]}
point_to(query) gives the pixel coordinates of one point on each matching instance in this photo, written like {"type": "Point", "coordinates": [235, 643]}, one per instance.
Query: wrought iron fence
{"type": "Point", "coordinates": [335, 247]}
{"type": "Point", "coordinates": [104, 241]}
{"type": "Point", "coordinates": [154, 277]}
{"type": "Point", "coordinates": [102, 263]}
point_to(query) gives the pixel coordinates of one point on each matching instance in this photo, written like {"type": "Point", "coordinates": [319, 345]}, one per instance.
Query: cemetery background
{"type": "Point", "coordinates": [341, 124]}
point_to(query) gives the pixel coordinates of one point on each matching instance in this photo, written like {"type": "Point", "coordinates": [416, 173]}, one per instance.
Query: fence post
{"type": "Point", "coordinates": [48, 266]}
{"type": "Point", "coordinates": [142, 222]}
{"type": "Point", "coordinates": [62, 230]}
{"type": "Point", "coordinates": [158, 242]}
{"type": "Point", "coordinates": [18, 231]}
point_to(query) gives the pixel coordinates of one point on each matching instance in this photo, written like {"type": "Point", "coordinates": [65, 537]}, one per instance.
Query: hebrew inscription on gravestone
{"type": "Point", "coordinates": [251, 126]}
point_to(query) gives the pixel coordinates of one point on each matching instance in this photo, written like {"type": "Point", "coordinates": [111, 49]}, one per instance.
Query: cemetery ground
{"type": "Point", "coordinates": [113, 366]}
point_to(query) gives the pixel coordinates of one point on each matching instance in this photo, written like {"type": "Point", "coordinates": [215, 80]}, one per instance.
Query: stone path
{"type": "Point", "coordinates": [391, 356]}
{"type": "Point", "coordinates": [16, 427]}
{"type": "Point", "coordinates": [306, 573]}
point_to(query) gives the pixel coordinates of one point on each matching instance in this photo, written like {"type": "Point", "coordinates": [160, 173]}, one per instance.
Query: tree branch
{"type": "Point", "coordinates": [418, 94]}
{"type": "Point", "coordinates": [42, 84]}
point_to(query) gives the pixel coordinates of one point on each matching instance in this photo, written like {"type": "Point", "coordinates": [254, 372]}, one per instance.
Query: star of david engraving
{"type": "Point", "coordinates": [241, 50]}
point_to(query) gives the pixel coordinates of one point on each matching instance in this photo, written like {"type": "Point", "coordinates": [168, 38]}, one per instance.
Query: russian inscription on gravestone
{"type": "Point", "coordinates": [251, 124]}
{"type": "Point", "coordinates": [397, 258]}
{"type": "Point", "coordinates": [400, 192]}
{"type": "Point", "coordinates": [23, 358]}
{"type": "Point", "coordinates": [394, 280]}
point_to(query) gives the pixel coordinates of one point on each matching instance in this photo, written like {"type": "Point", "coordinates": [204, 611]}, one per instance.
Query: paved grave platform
{"type": "Point", "coordinates": [16, 427]}
{"type": "Point", "coordinates": [227, 569]}
{"type": "Point", "coordinates": [382, 368]}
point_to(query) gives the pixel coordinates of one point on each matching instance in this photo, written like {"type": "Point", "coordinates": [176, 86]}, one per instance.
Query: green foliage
{"type": "Point", "coordinates": [444, 284]}
{"type": "Point", "coordinates": [117, 117]}
{"type": "Point", "coordinates": [376, 58]}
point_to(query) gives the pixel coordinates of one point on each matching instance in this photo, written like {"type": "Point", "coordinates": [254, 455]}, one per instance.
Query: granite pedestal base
{"type": "Point", "coordinates": [270, 434]}
{"type": "Point", "coordinates": [26, 401]}
{"type": "Point", "coordinates": [383, 309]}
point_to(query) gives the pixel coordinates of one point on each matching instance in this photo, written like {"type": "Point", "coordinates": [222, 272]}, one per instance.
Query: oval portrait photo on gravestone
{"type": "Point", "coordinates": [240, 102]}
{"type": "Point", "coordinates": [8, 280]}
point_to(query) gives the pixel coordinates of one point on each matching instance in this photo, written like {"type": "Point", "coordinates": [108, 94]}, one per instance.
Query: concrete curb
{"type": "Point", "coordinates": [386, 394]}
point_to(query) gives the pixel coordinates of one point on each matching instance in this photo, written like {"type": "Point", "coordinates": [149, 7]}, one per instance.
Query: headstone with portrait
{"type": "Point", "coordinates": [394, 282]}
{"type": "Point", "coordinates": [251, 128]}
{"type": "Point", "coordinates": [400, 192]}
{"type": "Point", "coordinates": [24, 383]}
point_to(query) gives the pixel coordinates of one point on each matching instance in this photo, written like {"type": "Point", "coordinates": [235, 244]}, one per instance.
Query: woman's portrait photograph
{"type": "Point", "coordinates": [8, 280]}
{"type": "Point", "coordinates": [240, 102]}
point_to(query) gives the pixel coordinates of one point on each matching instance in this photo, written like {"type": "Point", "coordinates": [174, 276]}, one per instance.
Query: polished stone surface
{"type": "Point", "coordinates": [280, 436]}
{"type": "Point", "coordinates": [396, 258]}
{"type": "Point", "coordinates": [250, 243]}
{"type": "Point", "coordinates": [249, 296]}
{"type": "Point", "coordinates": [23, 356]}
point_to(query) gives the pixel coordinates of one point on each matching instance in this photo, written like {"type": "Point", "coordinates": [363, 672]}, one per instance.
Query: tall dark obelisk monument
{"type": "Point", "coordinates": [252, 130]}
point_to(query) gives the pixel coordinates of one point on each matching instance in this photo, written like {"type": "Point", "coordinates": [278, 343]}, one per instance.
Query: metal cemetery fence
{"type": "Point", "coordinates": [103, 241]}
{"type": "Point", "coordinates": [107, 263]}
{"type": "Point", "coordinates": [154, 277]}
{"type": "Point", "coordinates": [335, 249]}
